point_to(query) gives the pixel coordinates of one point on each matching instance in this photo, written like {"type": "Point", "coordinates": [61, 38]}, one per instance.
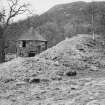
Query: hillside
{"type": "Point", "coordinates": [61, 21]}
{"type": "Point", "coordinates": [45, 79]}
{"type": "Point", "coordinates": [77, 53]}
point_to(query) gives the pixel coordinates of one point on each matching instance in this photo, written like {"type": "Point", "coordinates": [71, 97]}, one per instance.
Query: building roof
{"type": "Point", "coordinates": [32, 34]}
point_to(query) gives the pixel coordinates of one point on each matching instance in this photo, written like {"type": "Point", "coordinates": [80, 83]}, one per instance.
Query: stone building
{"type": "Point", "coordinates": [30, 43]}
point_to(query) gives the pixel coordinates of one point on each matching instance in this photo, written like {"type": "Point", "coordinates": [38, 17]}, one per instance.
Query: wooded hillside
{"type": "Point", "coordinates": [61, 21]}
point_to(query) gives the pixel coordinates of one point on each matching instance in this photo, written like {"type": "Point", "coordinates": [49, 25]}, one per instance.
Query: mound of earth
{"type": "Point", "coordinates": [43, 79]}
{"type": "Point", "coordinates": [79, 53]}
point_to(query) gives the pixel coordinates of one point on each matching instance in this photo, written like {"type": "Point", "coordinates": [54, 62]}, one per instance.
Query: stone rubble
{"type": "Point", "coordinates": [42, 80]}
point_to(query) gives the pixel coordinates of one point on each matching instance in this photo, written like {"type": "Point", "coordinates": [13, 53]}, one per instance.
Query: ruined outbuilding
{"type": "Point", "coordinates": [30, 43]}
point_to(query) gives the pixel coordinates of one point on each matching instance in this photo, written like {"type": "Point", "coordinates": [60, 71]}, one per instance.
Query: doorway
{"type": "Point", "coordinates": [31, 54]}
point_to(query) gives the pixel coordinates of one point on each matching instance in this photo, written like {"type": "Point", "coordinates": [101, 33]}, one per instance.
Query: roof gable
{"type": "Point", "coordinates": [32, 34]}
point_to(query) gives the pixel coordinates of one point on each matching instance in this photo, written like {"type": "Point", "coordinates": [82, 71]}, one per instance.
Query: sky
{"type": "Point", "coordinates": [41, 6]}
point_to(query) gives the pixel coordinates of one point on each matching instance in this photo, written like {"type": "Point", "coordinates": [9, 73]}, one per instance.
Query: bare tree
{"type": "Point", "coordinates": [15, 9]}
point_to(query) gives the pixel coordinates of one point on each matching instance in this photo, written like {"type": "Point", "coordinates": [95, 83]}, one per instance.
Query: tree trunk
{"type": "Point", "coordinates": [2, 45]}
{"type": "Point", "coordinates": [2, 51]}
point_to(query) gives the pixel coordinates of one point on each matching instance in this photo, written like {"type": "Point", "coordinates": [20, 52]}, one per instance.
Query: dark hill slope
{"type": "Point", "coordinates": [66, 11]}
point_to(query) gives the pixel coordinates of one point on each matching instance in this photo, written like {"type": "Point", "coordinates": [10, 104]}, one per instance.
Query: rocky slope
{"type": "Point", "coordinates": [46, 79]}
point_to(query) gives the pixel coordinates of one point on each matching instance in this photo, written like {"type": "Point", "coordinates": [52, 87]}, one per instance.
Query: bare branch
{"type": "Point", "coordinates": [16, 9]}
{"type": "Point", "coordinates": [2, 15]}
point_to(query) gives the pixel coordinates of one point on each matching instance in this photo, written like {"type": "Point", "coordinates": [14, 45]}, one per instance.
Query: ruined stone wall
{"type": "Point", "coordinates": [35, 46]}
